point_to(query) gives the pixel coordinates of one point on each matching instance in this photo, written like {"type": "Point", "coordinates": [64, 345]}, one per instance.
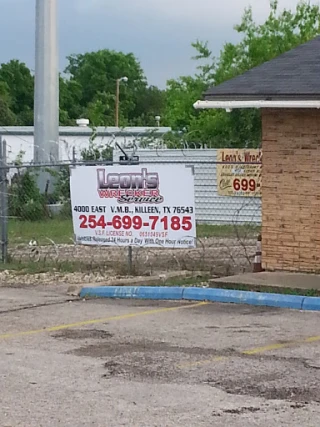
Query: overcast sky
{"type": "Point", "coordinates": [158, 32]}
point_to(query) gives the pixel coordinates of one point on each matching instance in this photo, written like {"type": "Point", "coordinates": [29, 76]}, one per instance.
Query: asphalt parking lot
{"type": "Point", "coordinates": [142, 363]}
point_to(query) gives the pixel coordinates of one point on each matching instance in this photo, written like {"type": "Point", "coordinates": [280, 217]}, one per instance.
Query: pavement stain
{"type": "Point", "coordinates": [82, 334]}
{"type": "Point", "coordinates": [240, 411]}
{"type": "Point", "coordinates": [300, 395]}
{"type": "Point", "coordinates": [113, 349]}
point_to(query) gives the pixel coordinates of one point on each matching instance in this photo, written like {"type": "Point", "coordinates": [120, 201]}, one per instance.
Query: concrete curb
{"type": "Point", "coordinates": [311, 303]}
{"type": "Point", "coordinates": [160, 279]}
{"type": "Point", "coordinates": [203, 294]}
{"type": "Point", "coordinates": [134, 292]}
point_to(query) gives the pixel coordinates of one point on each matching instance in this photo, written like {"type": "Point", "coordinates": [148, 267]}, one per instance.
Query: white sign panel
{"type": "Point", "coordinates": [146, 205]}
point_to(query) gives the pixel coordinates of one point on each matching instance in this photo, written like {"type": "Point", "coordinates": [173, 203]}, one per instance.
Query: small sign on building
{"type": "Point", "coordinates": [131, 205]}
{"type": "Point", "coordinates": [239, 172]}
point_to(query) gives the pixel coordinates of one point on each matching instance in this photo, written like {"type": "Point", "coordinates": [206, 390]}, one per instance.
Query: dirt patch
{"type": "Point", "coordinates": [255, 388]}
{"type": "Point", "coordinates": [112, 369]}
{"type": "Point", "coordinates": [112, 349]}
{"type": "Point", "coordinates": [240, 411]}
{"type": "Point", "coordinates": [145, 360]}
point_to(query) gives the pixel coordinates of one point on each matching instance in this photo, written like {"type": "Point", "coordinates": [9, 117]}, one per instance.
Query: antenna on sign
{"type": "Point", "coordinates": [122, 151]}
{"type": "Point", "coordinates": [126, 159]}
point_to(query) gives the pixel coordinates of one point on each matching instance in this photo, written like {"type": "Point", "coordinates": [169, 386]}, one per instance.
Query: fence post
{"type": "Point", "coordinates": [4, 200]}
{"type": "Point", "coordinates": [74, 156]}
{"type": "Point", "coordinates": [130, 261]}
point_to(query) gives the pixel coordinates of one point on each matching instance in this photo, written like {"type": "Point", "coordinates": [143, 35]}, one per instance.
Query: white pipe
{"type": "Point", "coordinates": [229, 105]}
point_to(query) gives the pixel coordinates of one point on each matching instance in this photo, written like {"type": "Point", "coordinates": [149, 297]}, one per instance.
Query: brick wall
{"type": "Point", "coordinates": [291, 190]}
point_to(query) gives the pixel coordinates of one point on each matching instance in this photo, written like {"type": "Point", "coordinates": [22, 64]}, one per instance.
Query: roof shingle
{"type": "Point", "coordinates": [292, 75]}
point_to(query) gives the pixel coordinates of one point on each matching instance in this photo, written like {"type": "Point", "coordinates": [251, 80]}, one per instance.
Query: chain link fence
{"type": "Point", "coordinates": [37, 226]}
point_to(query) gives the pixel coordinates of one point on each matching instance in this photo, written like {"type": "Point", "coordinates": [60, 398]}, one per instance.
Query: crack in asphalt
{"type": "Point", "coordinates": [35, 306]}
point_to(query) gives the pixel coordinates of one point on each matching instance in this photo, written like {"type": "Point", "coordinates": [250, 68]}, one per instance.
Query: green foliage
{"type": "Point", "coordinates": [25, 200]}
{"type": "Point", "coordinates": [17, 92]}
{"type": "Point", "coordinates": [150, 102]}
{"type": "Point", "coordinates": [66, 210]}
{"type": "Point", "coordinates": [62, 184]}
{"type": "Point", "coordinates": [69, 98]}
{"type": "Point", "coordinates": [89, 89]}
{"type": "Point", "coordinates": [97, 152]}
{"type": "Point", "coordinates": [7, 117]}
{"type": "Point", "coordinates": [94, 152]}
{"type": "Point", "coordinates": [92, 81]}
{"type": "Point", "coordinates": [282, 31]}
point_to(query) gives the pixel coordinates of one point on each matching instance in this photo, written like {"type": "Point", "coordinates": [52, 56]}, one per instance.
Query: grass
{"type": "Point", "coordinates": [57, 229]}
{"type": "Point", "coordinates": [208, 230]}
{"type": "Point", "coordinates": [61, 232]}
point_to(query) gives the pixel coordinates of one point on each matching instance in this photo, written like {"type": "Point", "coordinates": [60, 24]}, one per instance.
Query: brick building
{"type": "Point", "coordinates": [287, 90]}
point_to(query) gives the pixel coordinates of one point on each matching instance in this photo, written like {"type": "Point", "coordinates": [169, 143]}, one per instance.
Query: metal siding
{"type": "Point", "coordinates": [211, 208]}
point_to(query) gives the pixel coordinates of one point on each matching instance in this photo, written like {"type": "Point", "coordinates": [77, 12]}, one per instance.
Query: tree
{"type": "Point", "coordinates": [180, 97]}
{"type": "Point", "coordinates": [19, 81]}
{"type": "Point", "coordinates": [96, 74]}
{"type": "Point", "coordinates": [150, 102]}
{"type": "Point", "coordinates": [282, 31]}
{"type": "Point", "coordinates": [70, 93]}
{"type": "Point", "coordinates": [7, 117]}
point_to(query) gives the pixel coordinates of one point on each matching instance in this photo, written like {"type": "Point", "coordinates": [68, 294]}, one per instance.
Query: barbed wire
{"type": "Point", "coordinates": [219, 256]}
{"type": "Point", "coordinates": [227, 245]}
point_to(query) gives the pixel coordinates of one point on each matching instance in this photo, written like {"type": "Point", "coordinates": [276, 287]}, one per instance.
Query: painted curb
{"type": "Point", "coordinates": [204, 294]}
{"type": "Point", "coordinates": [244, 297]}
{"type": "Point", "coordinates": [134, 292]}
{"type": "Point", "coordinates": [311, 303]}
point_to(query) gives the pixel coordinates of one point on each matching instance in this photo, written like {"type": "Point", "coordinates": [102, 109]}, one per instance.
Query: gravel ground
{"type": "Point", "coordinates": [15, 278]}
{"type": "Point", "coordinates": [220, 255]}
{"type": "Point", "coordinates": [144, 363]}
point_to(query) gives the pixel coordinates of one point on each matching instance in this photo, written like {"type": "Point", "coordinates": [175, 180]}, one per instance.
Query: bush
{"type": "Point", "coordinates": [66, 210]}
{"type": "Point", "coordinates": [25, 200]}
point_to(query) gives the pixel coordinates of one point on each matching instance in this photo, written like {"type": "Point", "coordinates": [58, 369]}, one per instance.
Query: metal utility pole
{"type": "Point", "coordinates": [117, 102]}
{"type": "Point", "coordinates": [46, 96]}
{"type": "Point", "coordinates": [123, 79]}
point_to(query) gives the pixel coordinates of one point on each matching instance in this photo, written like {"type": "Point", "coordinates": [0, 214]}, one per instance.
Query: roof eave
{"type": "Point", "coordinates": [259, 104]}
{"type": "Point", "coordinates": [262, 96]}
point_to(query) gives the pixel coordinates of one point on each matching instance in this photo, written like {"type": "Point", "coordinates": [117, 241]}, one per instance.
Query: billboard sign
{"type": "Point", "coordinates": [147, 205]}
{"type": "Point", "coordinates": [239, 172]}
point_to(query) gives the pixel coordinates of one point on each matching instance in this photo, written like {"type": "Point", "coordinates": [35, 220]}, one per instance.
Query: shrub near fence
{"type": "Point", "coordinates": [40, 231]}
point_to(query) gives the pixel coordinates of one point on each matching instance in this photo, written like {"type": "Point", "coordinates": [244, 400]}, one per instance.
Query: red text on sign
{"type": "Point", "coordinates": [244, 184]}
{"type": "Point", "coordinates": [127, 222]}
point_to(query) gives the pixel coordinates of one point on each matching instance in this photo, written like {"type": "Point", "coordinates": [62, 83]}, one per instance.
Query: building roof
{"type": "Point", "coordinates": [292, 75]}
{"type": "Point", "coordinates": [87, 131]}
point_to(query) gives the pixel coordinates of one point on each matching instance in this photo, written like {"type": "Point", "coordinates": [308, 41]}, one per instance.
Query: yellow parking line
{"type": "Point", "coordinates": [95, 321]}
{"type": "Point", "coordinates": [252, 351]}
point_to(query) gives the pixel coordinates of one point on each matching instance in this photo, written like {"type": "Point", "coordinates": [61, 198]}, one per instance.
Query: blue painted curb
{"type": "Point", "coordinates": [244, 297]}
{"type": "Point", "coordinates": [311, 303]}
{"type": "Point", "coordinates": [138, 292]}
{"type": "Point", "coordinates": [204, 294]}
